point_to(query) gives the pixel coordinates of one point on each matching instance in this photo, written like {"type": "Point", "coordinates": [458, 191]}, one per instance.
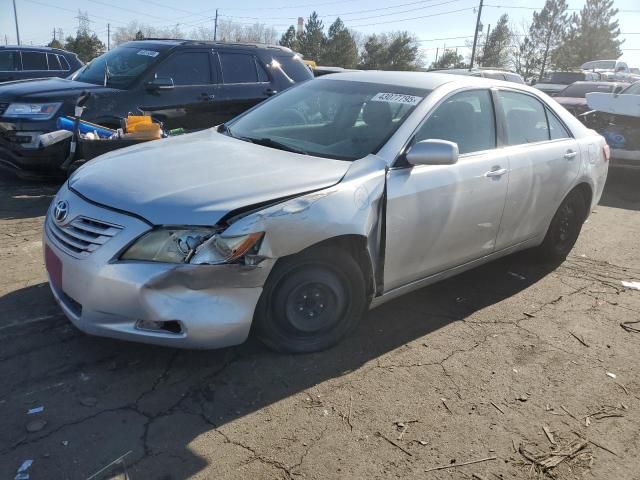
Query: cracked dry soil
{"type": "Point", "coordinates": [472, 368]}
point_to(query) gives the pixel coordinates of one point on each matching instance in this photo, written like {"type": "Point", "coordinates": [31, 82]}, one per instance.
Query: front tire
{"type": "Point", "coordinates": [565, 228]}
{"type": "Point", "coordinates": [311, 301]}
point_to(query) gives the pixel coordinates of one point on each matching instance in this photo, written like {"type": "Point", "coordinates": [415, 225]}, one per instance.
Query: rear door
{"type": "Point", "coordinates": [193, 102]}
{"type": "Point", "coordinates": [34, 65]}
{"type": "Point", "coordinates": [55, 67]}
{"type": "Point", "coordinates": [544, 160]}
{"type": "Point", "coordinates": [245, 81]}
{"type": "Point", "coordinates": [442, 216]}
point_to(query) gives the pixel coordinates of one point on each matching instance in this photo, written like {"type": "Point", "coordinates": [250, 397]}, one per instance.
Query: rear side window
{"type": "Point", "coordinates": [187, 68]}
{"type": "Point", "coordinates": [9, 61]}
{"type": "Point", "coordinates": [556, 129]}
{"type": "Point", "coordinates": [263, 76]}
{"type": "Point", "coordinates": [64, 63]}
{"type": "Point", "coordinates": [293, 67]}
{"type": "Point", "coordinates": [465, 118]}
{"type": "Point", "coordinates": [513, 78]}
{"type": "Point", "coordinates": [34, 61]}
{"type": "Point", "coordinates": [238, 68]}
{"type": "Point", "coordinates": [54, 63]}
{"type": "Point", "coordinates": [525, 118]}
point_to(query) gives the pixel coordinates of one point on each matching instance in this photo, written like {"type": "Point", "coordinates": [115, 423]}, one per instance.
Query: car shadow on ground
{"type": "Point", "coordinates": [220, 386]}
{"type": "Point", "coordinates": [24, 199]}
{"type": "Point", "coordinates": [622, 189]}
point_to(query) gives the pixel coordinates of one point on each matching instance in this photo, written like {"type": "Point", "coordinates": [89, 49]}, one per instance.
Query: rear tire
{"type": "Point", "coordinates": [311, 301]}
{"type": "Point", "coordinates": [565, 228]}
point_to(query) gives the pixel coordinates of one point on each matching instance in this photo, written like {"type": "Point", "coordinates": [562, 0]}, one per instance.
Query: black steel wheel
{"type": "Point", "coordinates": [310, 301]}
{"type": "Point", "coordinates": [565, 227]}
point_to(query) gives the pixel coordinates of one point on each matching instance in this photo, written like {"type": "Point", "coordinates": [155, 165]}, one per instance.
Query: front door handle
{"type": "Point", "coordinates": [496, 172]}
{"type": "Point", "coordinates": [570, 155]}
{"type": "Point", "coordinates": [270, 91]}
{"type": "Point", "coordinates": [207, 97]}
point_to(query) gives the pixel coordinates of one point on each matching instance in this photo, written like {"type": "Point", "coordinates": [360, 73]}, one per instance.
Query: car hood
{"type": "Point", "coordinates": [198, 178]}
{"type": "Point", "coordinates": [44, 89]}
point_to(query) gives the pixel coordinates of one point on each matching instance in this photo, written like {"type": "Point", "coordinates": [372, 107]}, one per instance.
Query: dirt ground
{"type": "Point", "coordinates": [474, 368]}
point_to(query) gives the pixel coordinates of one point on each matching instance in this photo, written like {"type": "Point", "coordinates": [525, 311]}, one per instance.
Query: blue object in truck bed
{"type": "Point", "coordinates": [67, 123]}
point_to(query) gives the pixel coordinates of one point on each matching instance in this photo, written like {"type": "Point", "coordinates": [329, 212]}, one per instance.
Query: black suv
{"type": "Point", "coordinates": [20, 63]}
{"type": "Point", "coordinates": [182, 83]}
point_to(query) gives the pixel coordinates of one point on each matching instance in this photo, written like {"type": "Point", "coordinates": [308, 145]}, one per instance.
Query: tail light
{"type": "Point", "coordinates": [607, 152]}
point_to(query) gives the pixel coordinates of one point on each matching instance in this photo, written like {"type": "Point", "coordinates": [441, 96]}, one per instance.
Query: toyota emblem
{"type": "Point", "coordinates": [60, 211]}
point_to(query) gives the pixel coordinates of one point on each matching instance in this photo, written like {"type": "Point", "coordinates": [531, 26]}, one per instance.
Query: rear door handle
{"type": "Point", "coordinates": [270, 91]}
{"type": "Point", "coordinates": [570, 155]}
{"type": "Point", "coordinates": [207, 97]}
{"type": "Point", "coordinates": [496, 172]}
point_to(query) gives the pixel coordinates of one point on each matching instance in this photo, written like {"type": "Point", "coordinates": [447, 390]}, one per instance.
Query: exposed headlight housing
{"type": "Point", "coordinates": [191, 245]}
{"type": "Point", "coordinates": [32, 111]}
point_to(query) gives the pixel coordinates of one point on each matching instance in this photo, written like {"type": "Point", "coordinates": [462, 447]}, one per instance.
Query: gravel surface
{"type": "Point", "coordinates": [506, 364]}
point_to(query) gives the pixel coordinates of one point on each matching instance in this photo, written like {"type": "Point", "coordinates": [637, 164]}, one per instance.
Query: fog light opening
{"type": "Point", "coordinates": [170, 326]}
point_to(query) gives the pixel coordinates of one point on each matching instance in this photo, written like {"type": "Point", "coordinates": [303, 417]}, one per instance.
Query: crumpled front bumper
{"type": "Point", "coordinates": [212, 304]}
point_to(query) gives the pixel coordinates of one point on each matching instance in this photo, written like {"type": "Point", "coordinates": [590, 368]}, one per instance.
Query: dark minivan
{"type": "Point", "coordinates": [20, 63]}
{"type": "Point", "coordinates": [183, 83]}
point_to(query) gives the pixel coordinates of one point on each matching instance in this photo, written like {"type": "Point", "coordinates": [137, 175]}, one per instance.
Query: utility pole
{"type": "Point", "coordinates": [15, 16]}
{"type": "Point", "coordinates": [437, 50]}
{"type": "Point", "coordinates": [486, 42]}
{"type": "Point", "coordinates": [6, 39]}
{"type": "Point", "coordinates": [215, 27]}
{"type": "Point", "coordinates": [54, 33]}
{"type": "Point", "coordinates": [108, 37]}
{"type": "Point", "coordinates": [475, 36]}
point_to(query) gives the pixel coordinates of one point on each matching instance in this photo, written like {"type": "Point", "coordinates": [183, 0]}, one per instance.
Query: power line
{"type": "Point", "coordinates": [540, 8]}
{"type": "Point", "coordinates": [72, 11]}
{"type": "Point", "coordinates": [415, 18]}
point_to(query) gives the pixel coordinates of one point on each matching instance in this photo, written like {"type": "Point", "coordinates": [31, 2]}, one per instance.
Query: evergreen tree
{"type": "Point", "coordinates": [340, 48]}
{"type": "Point", "coordinates": [87, 46]}
{"type": "Point", "coordinates": [449, 59]}
{"type": "Point", "coordinates": [289, 39]}
{"type": "Point", "coordinates": [592, 35]}
{"type": "Point", "coordinates": [139, 35]}
{"type": "Point", "coordinates": [547, 32]}
{"type": "Point", "coordinates": [496, 51]}
{"type": "Point", "coordinates": [396, 51]}
{"type": "Point", "coordinates": [312, 40]}
{"type": "Point", "coordinates": [374, 52]}
{"type": "Point", "coordinates": [55, 44]}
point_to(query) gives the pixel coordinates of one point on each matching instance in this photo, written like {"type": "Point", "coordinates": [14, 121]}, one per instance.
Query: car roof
{"type": "Point", "coordinates": [176, 42]}
{"type": "Point", "coordinates": [584, 82]}
{"type": "Point", "coordinates": [424, 80]}
{"type": "Point", "coordinates": [35, 49]}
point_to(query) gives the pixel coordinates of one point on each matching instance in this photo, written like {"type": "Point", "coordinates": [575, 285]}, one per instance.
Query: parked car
{"type": "Point", "coordinates": [387, 182]}
{"type": "Point", "coordinates": [321, 70]}
{"type": "Point", "coordinates": [573, 98]}
{"type": "Point", "coordinates": [617, 117]}
{"type": "Point", "coordinates": [494, 73]}
{"type": "Point", "coordinates": [609, 69]}
{"type": "Point", "coordinates": [21, 63]}
{"type": "Point", "coordinates": [182, 83]}
{"type": "Point", "coordinates": [553, 83]}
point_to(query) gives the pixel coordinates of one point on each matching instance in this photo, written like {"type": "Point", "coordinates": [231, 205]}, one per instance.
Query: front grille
{"type": "Point", "coordinates": [3, 107]}
{"type": "Point", "coordinates": [82, 236]}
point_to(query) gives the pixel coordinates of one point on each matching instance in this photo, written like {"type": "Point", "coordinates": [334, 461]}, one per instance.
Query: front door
{"type": "Point", "coordinates": [193, 102]}
{"type": "Point", "coordinates": [442, 216]}
{"type": "Point", "coordinates": [544, 162]}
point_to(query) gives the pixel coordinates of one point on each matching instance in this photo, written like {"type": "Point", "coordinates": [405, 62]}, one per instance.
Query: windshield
{"type": "Point", "coordinates": [632, 89]}
{"type": "Point", "coordinates": [565, 78]}
{"type": "Point", "coordinates": [337, 119]}
{"type": "Point", "coordinates": [123, 64]}
{"type": "Point", "coordinates": [600, 65]}
{"type": "Point", "coordinates": [579, 90]}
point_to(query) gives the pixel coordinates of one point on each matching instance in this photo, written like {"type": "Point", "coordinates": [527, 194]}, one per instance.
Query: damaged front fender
{"type": "Point", "coordinates": [355, 206]}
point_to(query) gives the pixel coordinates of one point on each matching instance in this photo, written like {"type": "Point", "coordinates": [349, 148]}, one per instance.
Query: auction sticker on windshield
{"type": "Point", "coordinates": [396, 98]}
{"type": "Point", "coordinates": [148, 53]}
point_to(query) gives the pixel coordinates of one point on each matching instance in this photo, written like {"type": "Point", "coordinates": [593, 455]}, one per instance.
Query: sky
{"type": "Point", "coordinates": [436, 23]}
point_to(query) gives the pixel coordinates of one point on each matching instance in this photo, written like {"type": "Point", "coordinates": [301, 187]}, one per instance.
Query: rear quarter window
{"type": "Point", "coordinates": [294, 67]}
{"type": "Point", "coordinates": [9, 61]}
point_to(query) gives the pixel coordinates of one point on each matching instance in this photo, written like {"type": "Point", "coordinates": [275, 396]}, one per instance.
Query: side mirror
{"type": "Point", "coordinates": [160, 83]}
{"type": "Point", "coordinates": [433, 152]}
{"type": "Point", "coordinates": [533, 81]}
{"type": "Point", "coordinates": [618, 89]}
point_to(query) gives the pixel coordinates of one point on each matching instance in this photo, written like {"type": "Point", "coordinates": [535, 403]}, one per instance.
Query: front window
{"type": "Point", "coordinates": [632, 89]}
{"type": "Point", "coordinates": [338, 119]}
{"type": "Point", "coordinates": [580, 90]}
{"type": "Point", "coordinates": [117, 68]}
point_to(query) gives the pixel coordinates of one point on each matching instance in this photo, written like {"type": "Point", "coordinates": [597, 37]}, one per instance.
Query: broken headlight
{"type": "Point", "coordinates": [191, 245]}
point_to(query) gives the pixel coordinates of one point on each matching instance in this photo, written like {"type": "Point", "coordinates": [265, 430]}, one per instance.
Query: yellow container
{"type": "Point", "coordinates": [136, 121]}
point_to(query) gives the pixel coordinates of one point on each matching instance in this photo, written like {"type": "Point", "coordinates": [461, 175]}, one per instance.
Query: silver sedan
{"type": "Point", "coordinates": [332, 197]}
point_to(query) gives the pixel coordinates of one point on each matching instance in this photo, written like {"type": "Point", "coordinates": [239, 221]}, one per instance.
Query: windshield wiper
{"type": "Point", "coordinates": [269, 142]}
